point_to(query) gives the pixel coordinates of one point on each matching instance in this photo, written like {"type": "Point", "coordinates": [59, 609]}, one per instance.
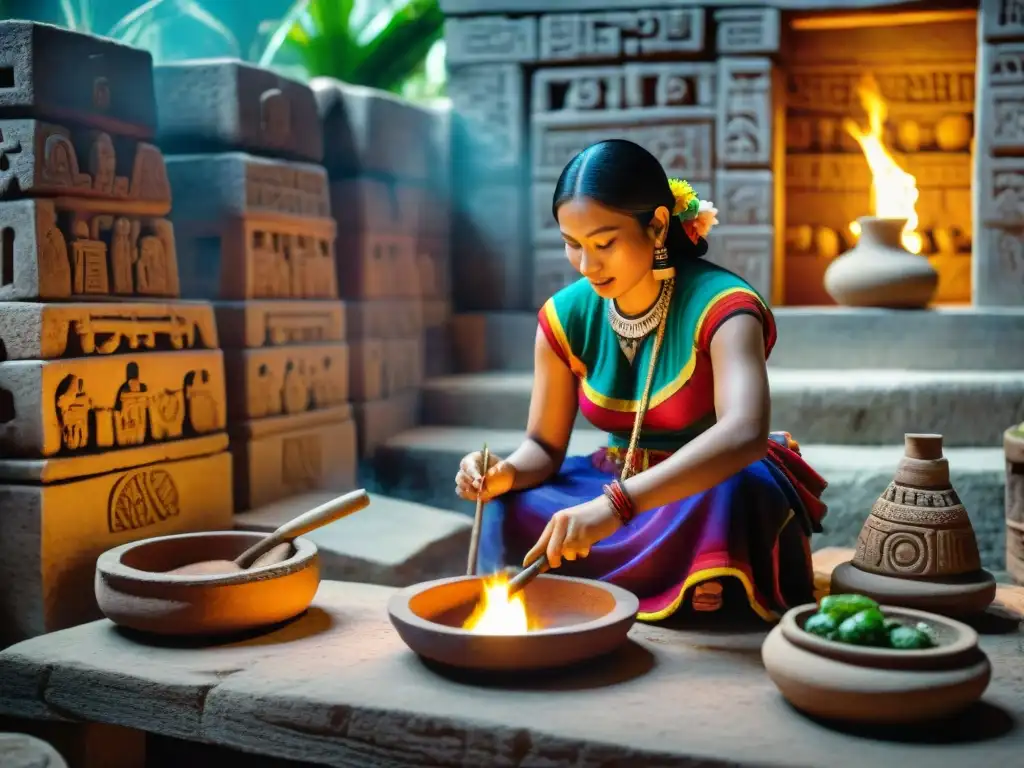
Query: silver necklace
{"type": "Point", "coordinates": [630, 331]}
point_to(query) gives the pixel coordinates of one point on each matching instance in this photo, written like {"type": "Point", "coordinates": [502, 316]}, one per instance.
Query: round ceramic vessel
{"type": "Point", "coordinates": [134, 590]}
{"type": "Point", "coordinates": [878, 686]}
{"type": "Point", "coordinates": [578, 619]}
{"type": "Point", "coordinates": [966, 595]}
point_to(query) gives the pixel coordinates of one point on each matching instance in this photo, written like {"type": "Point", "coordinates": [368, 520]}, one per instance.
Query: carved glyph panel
{"type": "Point", "coordinates": [1002, 19]}
{"type": "Point", "coordinates": [67, 407]}
{"type": "Point", "coordinates": [1004, 63]}
{"type": "Point", "coordinates": [487, 39]}
{"type": "Point", "coordinates": [745, 112]}
{"type": "Point", "coordinates": [370, 261]}
{"type": "Point", "coordinates": [616, 35]}
{"type": "Point", "coordinates": [998, 269]}
{"type": "Point", "coordinates": [745, 197]}
{"type": "Point", "coordinates": [748, 30]}
{"type": "Point", "coordinates": [746, 251]}
{"type": "Point", "coordinates": [252, 324]}
{"type": "Point", "coordinates": [1004, 119]}
{"type": "Point", "coordinates": [386, 319]}
{"type": "Point", "coordinates": [488, 98]}
{"type": "Point", "coordinates": [1002, 190]}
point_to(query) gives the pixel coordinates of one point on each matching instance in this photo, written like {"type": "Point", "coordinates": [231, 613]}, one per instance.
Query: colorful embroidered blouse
{"type": "Point", "coordinates": [682, 404]}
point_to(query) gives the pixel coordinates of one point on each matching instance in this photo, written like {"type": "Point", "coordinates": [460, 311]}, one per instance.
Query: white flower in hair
{"type": "Point", "coordinates": [707, 217]}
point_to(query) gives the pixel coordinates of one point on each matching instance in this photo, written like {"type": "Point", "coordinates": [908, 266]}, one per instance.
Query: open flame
{"type": "Point", "coordinates": [893, 190]}
{"type": "Point", "coordinates": [497, 613]}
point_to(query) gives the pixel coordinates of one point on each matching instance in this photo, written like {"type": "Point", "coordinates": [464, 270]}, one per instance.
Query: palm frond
{"type": "Point", "coordinates": [287, 29]}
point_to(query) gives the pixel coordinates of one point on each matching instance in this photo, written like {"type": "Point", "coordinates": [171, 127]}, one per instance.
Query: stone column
{"type": "Point", "coordinates": [749, 149]}
{"type": "Point", "coordinates": [491, 257]}
{"type": "Point", "coordinates": [998, 254]}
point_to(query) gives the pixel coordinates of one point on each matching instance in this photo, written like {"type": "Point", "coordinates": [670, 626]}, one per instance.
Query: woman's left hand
{"type": "Point", "coordinates": [572, 532]}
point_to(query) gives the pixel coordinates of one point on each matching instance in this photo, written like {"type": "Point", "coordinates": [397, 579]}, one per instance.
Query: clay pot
{"type": "Point", "coordinates": [134, 590]}
{"type": "Point", "coordinates": [1013, 446]}
{"type": "Point", "coordinates": [578, 619]}
{"type": "Point", "coordinates": [879, 272]}
{"type": "Point", "coordinates": [880, 686]}
{"type": "Point", "coordinates": [917, 548]}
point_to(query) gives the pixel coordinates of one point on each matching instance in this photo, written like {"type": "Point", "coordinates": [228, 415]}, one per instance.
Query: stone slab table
{"type": "Point", "coordinates": [338, 687]}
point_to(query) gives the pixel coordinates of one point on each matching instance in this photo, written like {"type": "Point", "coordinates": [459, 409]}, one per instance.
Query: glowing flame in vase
{"type": "Point", "coordinates": [894, 191]}
{"type": "Point", "coordinates": [497, 613]}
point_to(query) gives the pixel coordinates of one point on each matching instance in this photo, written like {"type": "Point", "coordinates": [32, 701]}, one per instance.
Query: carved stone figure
{"type": "Point", "coordinates": [122, 256]}
{"type": "Point", "coordinates": [73, 408]}
{"type": "Point", "coordinates": [296, 387]}
{"type": "Point", "coordinates": [131, 411]}
{"type": "Point", "coordinates": [202, 403]}
{"type": "Point", "coordinates": [103, 164]}
{"type": "Point", "coordinates": [151, 267]}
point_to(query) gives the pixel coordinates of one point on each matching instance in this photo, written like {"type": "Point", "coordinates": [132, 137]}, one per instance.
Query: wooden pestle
{"type": "Point", "coordinates": [276, 547]}
{"type": "Point", "coordinates": [528, 574]}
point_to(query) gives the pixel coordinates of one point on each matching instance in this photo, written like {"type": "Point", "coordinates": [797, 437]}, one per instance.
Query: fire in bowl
{"type": "Point", "coordinates": [877, 686]}
{"type": "Point", "coordinates": [471, 623]}
{"type": "Point", "coordinates": [135, 590]}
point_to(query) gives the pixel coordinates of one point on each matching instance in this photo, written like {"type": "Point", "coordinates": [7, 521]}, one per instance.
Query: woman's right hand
{"type": "Point", "coordinates": [499, 477]}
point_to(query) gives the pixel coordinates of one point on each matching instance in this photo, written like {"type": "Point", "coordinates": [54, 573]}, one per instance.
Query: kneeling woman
{"type": "Point", "coordinates": [665, 352]}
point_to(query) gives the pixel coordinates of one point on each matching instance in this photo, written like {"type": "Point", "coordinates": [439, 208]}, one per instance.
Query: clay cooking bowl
{"type": "Point", "coordinates": [577, 620]}
{"type": "Point", "coordinates": [880, 686]}
{"type": "Point", "coordinates": [134, 590]}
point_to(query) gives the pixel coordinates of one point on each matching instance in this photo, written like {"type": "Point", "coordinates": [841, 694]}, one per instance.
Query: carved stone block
{"type": "Point", "coordinates": [258, 257]}
{"type": "Point", "coordinates": [378, 421]}
{"type": "Point", "coordinates": [367, 363]}
{"type": "Point", "coordinates": [52, 252]}
{"type": "Point", "coordinates": [221, 105]}
{"type": "Point", "coordinates": [31, 331]}
{"type": "Point", "coordinates": [210, 187]}
{"type": "Point", "coordinates": [432, 261]}
{"type": "Point", "coordinates": [370, 263]}
{"type": "Point", "coordinates": [1002, 20]}
{"type": "Point", "coordinates": [289, 455]}
{"type": "Point", "coordinates": [272, 381]}
{"type": "Point", "coordinates": [369, 131]}
{"type": "Point", "coordinates": [746, 251]}
{"type": "Point", "coordinates": [1003, 119]}
{"type": "Point", "coordinates": [66, 407]}
{"type": "Point", "coordinates": [1002, 63]}
{"type": "Point", "coordinates": [56, 74]}
{"type": "Point", "coordinates": [403, 364]}
{"type": "Point", "coordinates": [745, 104]}
{"type": "Point", "coordinates": [1001, 190]}
{"type": "Point", "coordinates": [748, 30]}
{"type": "Point", "coordinates": [384, 319]}
{"type": "Point", "coordinates": [487, 39]}
{"type": "Point", "coordinates": [377, 205]}
{"type": "Point", "coordinates": [997, 266]}
{"type": "Point", "coordinates": [616, 35]}
{"type": "Point", "coordinates": [745, 197]}
{"type": "Point", "coordinates": [38, 158]}
{"type": "Point", "coordinates": [489, 116]}
{"type": "Point", "coordinates": [436, 313]}
{"type": "Point", "coordinates": [253, 324]}
{"type": "Point", "coordinates": [51, 535]}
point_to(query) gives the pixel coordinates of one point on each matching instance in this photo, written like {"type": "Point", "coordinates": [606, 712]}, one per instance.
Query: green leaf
{"type": "Point", "coordinates": [288, 26]}
{"type": "Point", "coordinates": [133, 18]}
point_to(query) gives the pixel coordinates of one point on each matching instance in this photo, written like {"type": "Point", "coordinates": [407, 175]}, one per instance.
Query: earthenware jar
{"type": "Point", "coordinates": [1013, 446]}
{"type": "Point", "coordinates": [838, 681]}
{"type": "Point", "coordinates": [919, 527]}
{"type": "Point", "coordinates": [879, 272]}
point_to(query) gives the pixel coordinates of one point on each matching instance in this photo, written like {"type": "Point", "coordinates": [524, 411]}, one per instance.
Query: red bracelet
{"type": "Point", "coordinates": [622, 504]}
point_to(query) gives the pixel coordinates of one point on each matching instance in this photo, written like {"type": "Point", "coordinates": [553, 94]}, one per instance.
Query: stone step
{"type": "Point", "coordinates": [392, 542]}
{"type": "Point", "coordinates": [969, 338]}
{"type": "Point", "coordinates": [421, 464]}
{"type": "Point", "coordinates": [854, 407]}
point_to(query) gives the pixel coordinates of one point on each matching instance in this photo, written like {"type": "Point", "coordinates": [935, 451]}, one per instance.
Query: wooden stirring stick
{"type": "Point", "coordinates": [474, 539]}
{"type": "Point", "coordinates": [528, 574]}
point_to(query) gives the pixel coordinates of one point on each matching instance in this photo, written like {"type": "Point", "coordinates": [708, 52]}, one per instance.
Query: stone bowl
{"type": "Point", "coordinates": [876, 686]}
{"type": "Point", "coordinates": [578, 619]}
{"type": "Point", "coordinates": [134, 590]}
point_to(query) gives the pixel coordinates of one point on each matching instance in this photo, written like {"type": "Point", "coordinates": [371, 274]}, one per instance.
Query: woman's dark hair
{"type": "Point", "coordinates": [625, 176]}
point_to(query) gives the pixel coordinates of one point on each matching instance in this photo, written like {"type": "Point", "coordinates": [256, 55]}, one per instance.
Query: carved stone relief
{"type": "Point", "coordinates": [1005, 63]}
{"type": "Point", "coordinates": [745, 197]}
{"type": "Point", "coordinates": [1005, 120]}
{"type": "Point", "coordinates": [302, 462]}
{"type": "Point", "coordinates": [490, 39]}
{"type": "Point", "coordinates": [1002, 191]}
{"type": "Point", "coordinates": [488, 99]}
{"type": "Point", "coordinates": [1002, 19]}
{"type": "Point", "coordinates": [287, 380]}
{"type": "Point", "coordinates": [748, 30]}
{"type": "Point", "coordinates": [384, 319]}
{"type": "Point", "coordinates": [252, 324]}
{"type": "Point", "coordinates": [63, 407]}
{"type": "Point", "coordinates": [141, 499]}
{"type": "Point", "coordinates": [998, 276]}
{"type": "Point", "coordinates": [746, 251]}
{"type": "Point", "coordinates": [616, 35]}
{"type": "Point", "coordinates": [373, 260]}
{"type": "Point", "coordinates": [744, 134]}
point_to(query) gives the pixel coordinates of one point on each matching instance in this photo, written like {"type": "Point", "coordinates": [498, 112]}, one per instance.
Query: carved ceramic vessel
{"type": "Point", "coordinates": [134, 590]}
{"type": "Point", "coordinates": [918, 548]}
{"type": "Point", "coordinates": [879, 272]}
{"type": "Point", "coordinates": [878, 686]}
{"type": "Point", "coordinates": [578, 619]}
{"type": "Point", "coordinates": [1013, 446]}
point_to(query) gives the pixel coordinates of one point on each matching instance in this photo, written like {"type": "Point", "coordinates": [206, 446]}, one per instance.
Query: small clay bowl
{"type": "Point", "coordinates": [879, 686]}
{"type": "Point", "coordinates": [578, 619]}
{"type": "Point", "coordinates": [134, 590]}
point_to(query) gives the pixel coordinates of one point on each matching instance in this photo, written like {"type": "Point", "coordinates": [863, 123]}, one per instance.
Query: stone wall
{"type": "Point", "coordinates": [112, 392]}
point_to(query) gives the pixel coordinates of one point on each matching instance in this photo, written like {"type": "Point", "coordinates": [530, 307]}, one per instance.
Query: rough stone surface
{"type": "Point", "coordinates": [339, 687]}
{"type": "Point", "coordinates": [809, 337]}
{"type": "Point", "coordinates": [18, 750]}
{"type": "Point", "coordinates": [853, 407]}
{"type": "Point", "coordinates": [422, 463]}
{"type": "Point", "coordinates": [394, 543]}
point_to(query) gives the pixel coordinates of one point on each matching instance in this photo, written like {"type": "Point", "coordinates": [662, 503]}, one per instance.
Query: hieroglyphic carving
{"type": "Point", "coordinates": [372, 262]}
{"type": "Point", "coordinates": [60, 407]}
{"type": "Point", "coordinates": [488, 98]}
{"type": "Point", "coordinates": [616, 35]}
{"type": "Point", "coordinates": [998, 276]}
{"type": "Point", "coordinates": [744, 135]}
{"type": "Point", "coordinates": [745, 197]}
{"type": "Point", "coordinates": [1002, 191]}
{"type": "Point", "coordinates": [38, 158]}
{"type": "Point", "coordinates": [486, 39]}
{"type": "Point", "coordinates": [1004, 64]}
{"type": "Point", "coordinates": [1002, 20]}
{"type": "Point", "coordinates": [842, 173]}
{"type": "Point", "coordinates": [253, 324]}
{"type": "Point", "coordinates": [276, 380]}
{"type": "Point", "coordinates": [1005, 120]}
{"type": "Point", "coordinates": [384, 319]}
{"type": "Point", "coordinates": [748, 30]}
{"type": "Point", "coordinates": [142, 498]}
{"type": "Point", "coordinates": [746, 251]}
{"type": "Point", "coordinates": [684, 149]}
{"type": "Point", "coordinates": [653, 90]}
{"type": "Point", "coordinates": [77, 253]}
